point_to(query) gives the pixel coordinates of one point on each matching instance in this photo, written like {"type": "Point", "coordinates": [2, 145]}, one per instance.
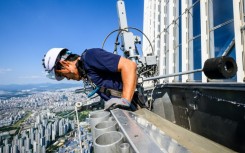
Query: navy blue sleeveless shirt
{"type": "Point", "coordinates": [102, 68]}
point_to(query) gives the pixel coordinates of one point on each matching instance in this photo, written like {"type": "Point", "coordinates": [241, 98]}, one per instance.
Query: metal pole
{"type": "Point", "coordinates": [171, 75]}
{"type": "Point", "coordinates": [228, 49]}
{"type": "Point", "coordinates": [238, 12]}
{"type": "Point", "coordinates": [78, 125]}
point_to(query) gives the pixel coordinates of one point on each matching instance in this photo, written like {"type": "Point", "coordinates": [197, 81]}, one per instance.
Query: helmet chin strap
{"type": "Point", "coordinates": [83, 74]}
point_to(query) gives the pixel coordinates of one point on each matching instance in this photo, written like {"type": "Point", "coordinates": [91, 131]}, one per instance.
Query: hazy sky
{"type": "Point", "coordinates": [28, 28]}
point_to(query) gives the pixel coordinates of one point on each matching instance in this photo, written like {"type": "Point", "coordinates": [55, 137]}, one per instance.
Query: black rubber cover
{"type": "Point", "coordinates": [220, 68]}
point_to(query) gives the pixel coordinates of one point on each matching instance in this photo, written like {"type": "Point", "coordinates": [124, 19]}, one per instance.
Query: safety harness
{"type": "Point", "coordinates": [136, 101]}
{"type": "Point", "coordinates": [110, 92]}
{"type": "Point", "coordinates": [82, 71]}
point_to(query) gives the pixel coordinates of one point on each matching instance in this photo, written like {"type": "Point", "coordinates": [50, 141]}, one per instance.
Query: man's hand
{"type": "Point", "coordinates": [117, 103]}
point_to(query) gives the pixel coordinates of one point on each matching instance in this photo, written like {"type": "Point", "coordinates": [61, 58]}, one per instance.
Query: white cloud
{"type": "Point", "coordinates": [31, 77]}
{"type": "Point", "coordinates": [5, 70]}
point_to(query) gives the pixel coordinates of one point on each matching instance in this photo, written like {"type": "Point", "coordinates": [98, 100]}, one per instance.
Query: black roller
{"type": "Point", "coordinates": [220, 68]}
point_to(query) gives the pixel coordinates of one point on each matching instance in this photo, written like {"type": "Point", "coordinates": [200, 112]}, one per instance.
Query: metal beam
{"type": "Point", "coordinates": [163, 39]}
{"type": "Point", "coordinates": [187, 33]}
{"type": "Point", "coordinates": [238, 12]}
{"type": "Point", "coordinates": [207, 38]}
{"type": "Point", "coordinates": [173, 39]}
{"type": "Point", "coordinates": [146, 28]}
{"type": "Point", "coordinates": [172, 75]}
{"type": "Point", "coordinates": [143, 136]}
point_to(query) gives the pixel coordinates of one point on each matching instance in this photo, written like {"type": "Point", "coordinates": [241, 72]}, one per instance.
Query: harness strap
{"type": "Point", "coordinates": [110, 92]}
{"type": "Point", "coordinates": [80, 66]}
{"type": "Point", "coordinates": [83, 72]}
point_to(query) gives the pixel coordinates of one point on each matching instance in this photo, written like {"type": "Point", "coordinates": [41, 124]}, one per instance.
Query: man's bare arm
{"type": "Point", "coordinates": [129, 77]}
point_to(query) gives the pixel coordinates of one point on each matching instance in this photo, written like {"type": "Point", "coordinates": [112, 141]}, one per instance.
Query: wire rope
{"type": "Point", "coordinates": [174, 21]}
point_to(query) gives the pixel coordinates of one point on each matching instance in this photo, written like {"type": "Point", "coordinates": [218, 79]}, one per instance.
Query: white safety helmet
{"type": "Point", "coordinates": [50, 60]}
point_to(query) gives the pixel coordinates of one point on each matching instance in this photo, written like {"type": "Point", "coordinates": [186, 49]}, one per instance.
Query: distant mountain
{"type": "Point", "coordinates": [38, 87]}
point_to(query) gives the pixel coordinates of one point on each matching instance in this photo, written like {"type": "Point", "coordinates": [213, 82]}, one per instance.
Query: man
{"type": "Point", "coordinates": [114, 76]}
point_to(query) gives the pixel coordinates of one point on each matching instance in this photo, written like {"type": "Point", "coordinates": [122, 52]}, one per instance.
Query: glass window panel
{"type": "Point", "coordinates": [196, 42]}
{"type": "Point", "coordinates": [222, 11]}
{"type": "Point", "coordinates": [223, 35]}
{"type": "Point", "coordinates": [196, 19]}
{"type": "Point", "coordinates": [222, 38]}
{"type": "Point", "coordinates": [197, 57]}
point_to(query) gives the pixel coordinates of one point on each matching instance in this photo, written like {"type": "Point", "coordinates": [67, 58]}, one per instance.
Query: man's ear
{"type": "Point", "coordinates": [65, 65]}
{"type": "Point", "coordinates": [64, 62]}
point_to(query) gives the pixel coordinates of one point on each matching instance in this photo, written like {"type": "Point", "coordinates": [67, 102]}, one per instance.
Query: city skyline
{"type": "Point", "coordinates": [41, 120]}
{"type": "Point", "coordinates": [30, 28]}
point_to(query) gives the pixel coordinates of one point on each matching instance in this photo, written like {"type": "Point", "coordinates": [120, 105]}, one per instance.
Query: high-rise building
{"type": "Point", "coordinates": [38, 119]}
{"type": "Point", "coordinates": [31, 135]}
{"type": "Point", "coordinates": [7, 148]}
{"type": "Point", "coordinates": [39, 148]}
{"type": "Point", "coordinates": [43, 150]}
{"type": "Point", "coordinates": [184, 34]}
{"type": "Point", "coordinates": [34, 146]}
{"type": "Point", "coordinates": [48, 133]}
{"type": "Point", "coordinates": [61, 128]}
{"type": "Point", "coordinates": [53, 131]}
{"type": "Point", "coordinates": [44, 122]}
{"type": "Point", "coordinates": [66, 128]}
{"type": "Point", "coordinates": [37, 136]}
{"type": "Point", "coordinates": [21, 142]}
{"type": "Point", "coordinates": [55, 127]}
{"type": "Point", "coordinates": [6, 141]}
{"type": "Point", "coordinates": [41, 130]}
{"type": "Point", "coordinates": [42, 141]}
{"type": "Point", "coordinates": [23, 149]}
{"type": "Point", "coordinates": [28, 144]}
{"type": "Point", "coordinates": [15, 149]}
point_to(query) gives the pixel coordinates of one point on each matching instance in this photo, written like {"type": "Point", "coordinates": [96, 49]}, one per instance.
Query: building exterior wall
{"type": "Point", "coordinates": [184, 34]}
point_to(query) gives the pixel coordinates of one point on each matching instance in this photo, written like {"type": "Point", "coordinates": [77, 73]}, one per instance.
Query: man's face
{"type": "Point", "coordinates": [68, 70]}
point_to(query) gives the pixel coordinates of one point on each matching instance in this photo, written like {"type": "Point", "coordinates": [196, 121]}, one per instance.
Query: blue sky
{"type": "Point", "coordinates": [28, 28]}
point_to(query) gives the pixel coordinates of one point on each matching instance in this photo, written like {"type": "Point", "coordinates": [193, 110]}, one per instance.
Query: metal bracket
{"type": "Point", "coordinates": [143, 136]}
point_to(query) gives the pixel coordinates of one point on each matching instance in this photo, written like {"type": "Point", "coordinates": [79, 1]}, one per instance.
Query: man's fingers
{"type": "Point", "coordinates": [110, 107]}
